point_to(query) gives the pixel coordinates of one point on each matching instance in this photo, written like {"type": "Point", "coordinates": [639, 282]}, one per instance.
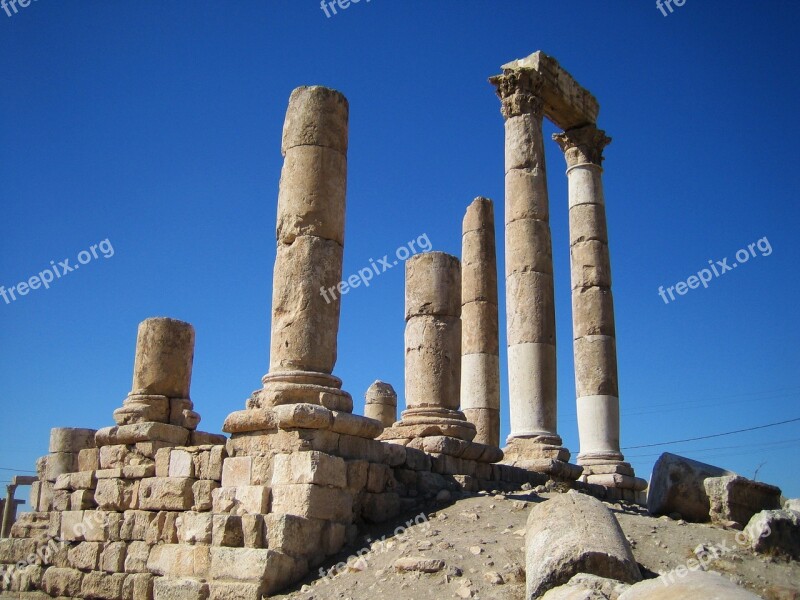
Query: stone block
{"type": "Point", "coordinates": [82, 500]}
{"type": "Point", "coordinates": [89, 459]}
{"type": "Point", "coordinates": [273, 569]}
{"type": "Point", "coordinates": [117, 494]}
{"type": "Point", "coordinates": [137, 586]}
{"type": "Point", "coordinates": [237, 471]}
{"type": "Point", "coordinates": [179, 589]}
{"type": "Point", "coordinates": [181, 464]}
{"type": "Point", "coordinates": [179, 560]}
{"type": "Point", "coordinates": [226, 530]}
{"type": "Point", "coordinates": [313, 501]}
{"type": "Point", "coordinates": [252, 499]}
{"type": "Point", "coordinates": [84, 556]}
{"type": "Point", "coordinates": [194, 528]}
{"type": "Point", "coordinates": [62, 582]}
{"type": "Point", "coordinates": [234, 590]}
{"type": "Point", "coordinates": [101, 526]}
{"type": "Point", "coordinates": [254, 531]}
{"type": "Point", "coordinates": [135, 524]}
{"type": "Point", "coordinates": [13, 550]}
{"type": "Point", "coordinates": [142, 432]}
{"type": "Point", "coordinates": [161, 493]}
{"type": "Point", "coordinates": [72, 529]}
{"type": "Point", "coordinates": [262, 470]}
{"type": "Point", "coordinates": [379, 508]}
{"type": "Point", "coordinates": [352, 447]}
{"type": "Point", "coordinates": [357, 474]}
{"type": "Point", "coordinates": [735, 498]}
{"type": "Point", "coordinates": [103, 586]}
{"type": "Point", "coordinates": [378, 478]}
{"type": "Point", "coordinates": [162, 460]}
{"type": "Point", "coordinates": [163, 529]}
{"type": "Point", "coordinates": [136, 557]}
{"type": "Point", "coordinates": [113, 456]}
{"type": "Point", "coordinates": [309, 467]}
{"type": "Point", "coordinates": [293, 535]}
{"type": "Point", "coordinates": [202, 491]}
{"type": "Point", "coordinates": [112, 558]}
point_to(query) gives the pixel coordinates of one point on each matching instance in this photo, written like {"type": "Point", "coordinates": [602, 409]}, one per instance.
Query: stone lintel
{"type": "Point", "coordinates": [566, 103]}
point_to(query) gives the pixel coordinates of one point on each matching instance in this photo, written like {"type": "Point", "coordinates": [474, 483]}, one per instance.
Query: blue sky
{"type": "Point", "coordinates": [156, 126]}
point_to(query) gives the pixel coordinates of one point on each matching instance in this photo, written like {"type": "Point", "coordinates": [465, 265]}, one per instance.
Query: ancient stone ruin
{"type": "Point", "coordinates": [153, 508]}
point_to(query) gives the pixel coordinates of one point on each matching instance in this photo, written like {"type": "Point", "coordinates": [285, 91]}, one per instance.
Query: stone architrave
{"type": "Point", "coordinates": [593, 313]}
{"type": "Point", "coordinates": [480, 352]}
{"type": "Point", "coordinates": [530, 300]}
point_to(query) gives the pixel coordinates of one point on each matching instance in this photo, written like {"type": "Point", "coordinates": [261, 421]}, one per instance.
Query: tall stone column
{"type": "Point", "coordinates": [530, 300]}
{"type": "Point", "coordinates": [308, 264]}
{"type": "Point", "coordinates": [480, 354]}
{"type": "Point", "coordinates": [593, 312]}
{"type": "Point", "coordinates": [433, 351]}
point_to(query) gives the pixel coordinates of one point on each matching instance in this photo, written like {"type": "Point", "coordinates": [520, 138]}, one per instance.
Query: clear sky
{"type": "Point", "coordinates": [156, 126]}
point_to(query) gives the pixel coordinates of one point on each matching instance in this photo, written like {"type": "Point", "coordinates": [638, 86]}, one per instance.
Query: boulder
{"type": "Point", "coordinates": [775, 532]}
{"type": "Point", "coordinates": [574, 533]}
{"type": "Point", "coordinates": [692, 585]}
{"type": "Point", "coordinates": [587, 587]}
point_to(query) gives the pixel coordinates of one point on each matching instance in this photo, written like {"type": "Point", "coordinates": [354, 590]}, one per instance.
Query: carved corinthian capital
{"type": "Point", "coordinates": [583, 145]}
{"type": "Point", "coordinates": [519, 91]}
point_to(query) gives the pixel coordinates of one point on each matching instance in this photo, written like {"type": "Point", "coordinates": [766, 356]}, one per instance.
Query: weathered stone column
{"type": "Point", "coordinates": [593, 312]}
{"type": "Point", "coordinates": [308, 265]}
{"type": "Point", "coordinates": [162, 376]}
{"type": "Point", "coordinates": [480, 354]}
{"type": "Point", "coordinates": [381, 403]}
{"type": "Point", "coordinates": [530, 300]}
{"type": "Point", "coordinates": [433, 351]}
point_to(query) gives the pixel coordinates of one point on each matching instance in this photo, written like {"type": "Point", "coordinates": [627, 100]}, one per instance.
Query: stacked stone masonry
{"type": "Point", "coordinates": [152, 508]}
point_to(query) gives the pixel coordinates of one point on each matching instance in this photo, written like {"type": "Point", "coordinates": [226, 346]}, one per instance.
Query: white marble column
{"type": "Point", "coordinates": [593, 312]}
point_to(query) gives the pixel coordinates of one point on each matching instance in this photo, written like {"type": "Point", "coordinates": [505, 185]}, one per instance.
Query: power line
{"type": "Point", "coordinates": [16, 470]}
{"type": "Point", "coordinates": [716, 448]}
{"type": "Point", "coordinates": [706, 437]}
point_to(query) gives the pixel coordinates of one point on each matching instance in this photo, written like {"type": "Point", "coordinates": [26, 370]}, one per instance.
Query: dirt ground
{"type": "Point", "coordinates": [480, 538]}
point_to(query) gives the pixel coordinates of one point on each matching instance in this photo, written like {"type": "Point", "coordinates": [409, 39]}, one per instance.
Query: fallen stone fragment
{"type": "Point", "coordinates": [694, 585]}
{"type": "Point", "coordinates": [775, 532]}
{"type": "Point", "coordinates": [423, 565]}
{"type": "Point", "coordinates": [574, 533]}
{"type": "Point", "coordinates": [587, 587]}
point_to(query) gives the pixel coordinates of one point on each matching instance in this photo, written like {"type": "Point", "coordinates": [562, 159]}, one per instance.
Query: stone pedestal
{"type": "Point", "coordinates": [530, 302]}
{"type": "Point", "coordinates": [480, 352]}
{"type": "Point", "coordinates": [381, 403]}
{"type": "Point", "coordinates": [593, 313]}
{"type": "Point", "coordinates": [308, 269]}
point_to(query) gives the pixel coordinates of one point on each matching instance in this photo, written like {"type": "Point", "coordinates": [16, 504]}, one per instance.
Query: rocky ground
{"type": "Point", "coordinates": [473, 547]}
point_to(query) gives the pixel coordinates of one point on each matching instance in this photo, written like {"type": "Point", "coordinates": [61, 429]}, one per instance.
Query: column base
{"type": "Point", "coordinates": [301, 387]}
{"type": "Point", "coordinates": [428, 421]}
{"type": "Point", "coordinates": [150, 408]}
{"type": "Point", "coordinates": [611, 474]}
{"type": "Point", "coordinates": [300, 416]}
{"type": "Point", "coordinates": [541, 454]}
